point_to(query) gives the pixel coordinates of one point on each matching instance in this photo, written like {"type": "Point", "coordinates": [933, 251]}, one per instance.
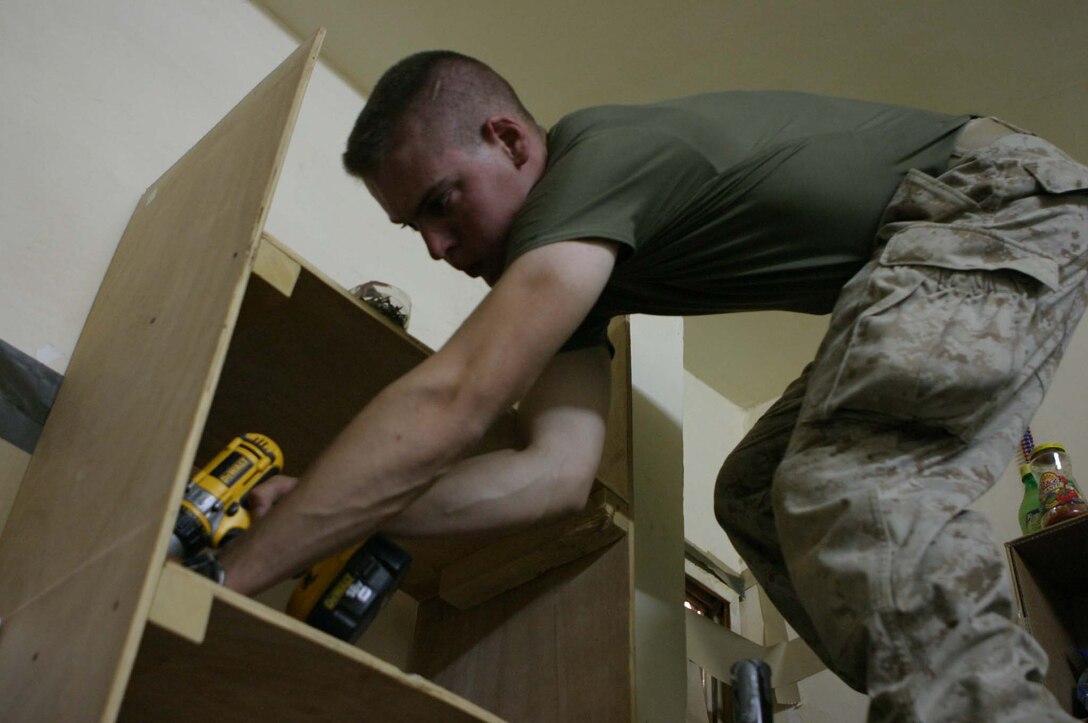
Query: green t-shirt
{"type": "Point", "coordinates": [729, 201]}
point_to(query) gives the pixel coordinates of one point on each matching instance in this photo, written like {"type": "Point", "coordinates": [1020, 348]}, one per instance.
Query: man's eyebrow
{"type": "Point", "coordinates": [421, 207]}
{"type": "Point", "coordinates": [435, 189]}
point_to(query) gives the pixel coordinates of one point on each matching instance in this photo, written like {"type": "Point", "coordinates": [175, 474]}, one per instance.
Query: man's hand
{"type": "Point", "coordinates": [261, 498]}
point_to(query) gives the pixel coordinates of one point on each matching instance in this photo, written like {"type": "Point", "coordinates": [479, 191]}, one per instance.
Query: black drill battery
{"type": "Point", "coordinates": [343, 594]}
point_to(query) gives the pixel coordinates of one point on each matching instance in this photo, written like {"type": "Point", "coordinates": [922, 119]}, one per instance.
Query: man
{"type": "Point", "coordinates": [949, 251]}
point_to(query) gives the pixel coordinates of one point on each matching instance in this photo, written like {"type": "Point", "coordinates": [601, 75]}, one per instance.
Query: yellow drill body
{"type": "Point", "coordinates": [211, 512]}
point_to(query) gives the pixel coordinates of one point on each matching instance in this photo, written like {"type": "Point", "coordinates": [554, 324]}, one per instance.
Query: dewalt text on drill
{"type": "Point", "coordinates": [212, 511]}
{"type": "Point", "coordinates": [341, 595]}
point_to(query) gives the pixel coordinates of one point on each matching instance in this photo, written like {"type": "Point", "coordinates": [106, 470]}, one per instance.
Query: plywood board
{"type": "Point", "coordinates": [13, 464]}
{"type": "Point", "coordinates": [79, 556]}
{"type": "Point", "coordinates": [615, 470]}
{"type": "Point", "coordinates": [258, 665]}
{"type": "Point", "coordinates": [555, 650]}
{"type": "Point", "coordinates": [1051, 597]}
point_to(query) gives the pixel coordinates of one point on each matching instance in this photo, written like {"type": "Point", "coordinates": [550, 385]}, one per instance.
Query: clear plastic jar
{"type": "Point", "coordinates": [1059, 495]}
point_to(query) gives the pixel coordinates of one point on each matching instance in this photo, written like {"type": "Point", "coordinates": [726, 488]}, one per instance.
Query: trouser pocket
{"type": "Point", "coordinates": [941, 331]}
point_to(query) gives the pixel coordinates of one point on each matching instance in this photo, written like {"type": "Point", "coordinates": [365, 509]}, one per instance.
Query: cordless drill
{"type": "Point", "coordinates": [341, 595]}
{"type": "Point", "coordinates": [211, 512]}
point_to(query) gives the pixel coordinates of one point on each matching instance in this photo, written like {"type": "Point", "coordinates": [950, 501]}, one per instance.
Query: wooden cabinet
{"type": "Point", "coordinates": [205, 328]}
{"type": "Point", "coordinates": [1051, 590]}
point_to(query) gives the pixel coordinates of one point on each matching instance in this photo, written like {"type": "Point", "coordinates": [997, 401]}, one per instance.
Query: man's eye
{"type": "Point", "coordinates": [439, 204]}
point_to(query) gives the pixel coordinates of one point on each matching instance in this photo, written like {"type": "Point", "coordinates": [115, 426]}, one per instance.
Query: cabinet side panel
{"type": "Point", "coordinates": [102, 487]}
{"type": "Point", "coordinates": [615, 469]}
{"type": "Point", "coordinates": [556, 649]}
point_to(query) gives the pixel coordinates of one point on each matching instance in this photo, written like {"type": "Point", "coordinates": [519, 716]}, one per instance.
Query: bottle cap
{"type": "Point", "coordinates": [1025, 470]}
{"type": "Point", "coordinates": [1048, 447]}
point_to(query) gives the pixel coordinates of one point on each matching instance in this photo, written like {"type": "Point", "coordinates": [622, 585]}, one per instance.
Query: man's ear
{"type": "Point", "coordinates": [511, 134]}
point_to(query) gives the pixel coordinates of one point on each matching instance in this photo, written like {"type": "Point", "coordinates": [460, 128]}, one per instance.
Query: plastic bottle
{"type": "Point", "coordinates": [1058, 493]}
{"type": "Point", "coordinates": [1031, 512]}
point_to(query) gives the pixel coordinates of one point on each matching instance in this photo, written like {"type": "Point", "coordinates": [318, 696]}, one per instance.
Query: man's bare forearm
{"type": "Point", "coordinates": [489, 496]}
{"type": "Point", "coordinates": [374, 469]}
{"type": "Point", "coordinates": [562, 422]}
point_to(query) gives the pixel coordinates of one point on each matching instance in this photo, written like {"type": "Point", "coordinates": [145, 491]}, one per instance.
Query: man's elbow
{"type": "Point", "coordinates": [572, 488]}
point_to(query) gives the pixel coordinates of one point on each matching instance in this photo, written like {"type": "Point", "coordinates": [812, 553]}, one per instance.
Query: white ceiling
{"type": "Point", "coordinates": [1023, 60]}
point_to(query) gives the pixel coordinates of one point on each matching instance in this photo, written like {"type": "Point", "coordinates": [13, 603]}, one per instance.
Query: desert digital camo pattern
{"type": "Point", "coordinates": [849, 499]}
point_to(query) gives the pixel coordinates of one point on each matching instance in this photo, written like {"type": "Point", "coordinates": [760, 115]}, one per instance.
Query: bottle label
{"type": "Point", "coordinates": [1033, 520]}
{"type": "Point", "coordinates": [1055, 489]}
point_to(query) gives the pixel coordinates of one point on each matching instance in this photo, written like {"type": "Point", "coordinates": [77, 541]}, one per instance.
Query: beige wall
{"type": "Point", "coordinates": [102, 97]}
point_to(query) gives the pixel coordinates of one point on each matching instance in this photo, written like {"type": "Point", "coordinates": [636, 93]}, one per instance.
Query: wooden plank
{"type": "Point", "coordinates": [557, 649]}
{"type": "Point", "coordinates": [46, 666]}
{"type": "Point", "coordinates": [258, 665]}
{"type": "Point", "coordinates": [518, 558]}
{"type": "Point", "coordinates": [13, 464]}
{"type": "Point", "coordinates": [181, 607]}
{"type": "Point", "coordinates": [102, 488]}
{"type": "Point", "coordinates": [276, 266]}
{"type": "Point", "coordinates": [615, 470]}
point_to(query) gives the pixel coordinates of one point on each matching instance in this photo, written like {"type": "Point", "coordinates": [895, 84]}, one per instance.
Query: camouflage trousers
{"type": "Point", "coordinates": [849, 498]}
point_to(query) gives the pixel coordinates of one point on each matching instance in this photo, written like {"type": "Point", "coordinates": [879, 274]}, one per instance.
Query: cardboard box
{"type": "Point", "coordinates": [1050, 581]}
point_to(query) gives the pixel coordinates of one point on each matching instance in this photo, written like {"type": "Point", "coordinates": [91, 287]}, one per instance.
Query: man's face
{"type": "Point", "coordinates": [461, 200]}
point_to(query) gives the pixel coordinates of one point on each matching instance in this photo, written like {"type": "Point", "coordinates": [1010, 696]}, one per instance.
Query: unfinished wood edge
{"type": "Point", "coordinates": [276, 267]}
{"type": "Point", "coordinates": [512, 562]}
{"type": "Point", "coordinates": [621, 520]}
{"type": "Point", "coordinates": [180, 605]}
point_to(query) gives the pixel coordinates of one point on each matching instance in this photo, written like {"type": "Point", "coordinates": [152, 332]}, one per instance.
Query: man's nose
{"type": "Point", "coordinates": [438, 241]}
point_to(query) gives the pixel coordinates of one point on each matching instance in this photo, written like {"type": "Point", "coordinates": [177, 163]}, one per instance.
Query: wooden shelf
{"type": "Point", "coordinates": [1051, 594]}
{"type": "Point", "coordinates": [220, 646]}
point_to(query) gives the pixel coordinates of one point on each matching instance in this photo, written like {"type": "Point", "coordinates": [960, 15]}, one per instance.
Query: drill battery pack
{"type": "Point", "coordinates": [342, 595]}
